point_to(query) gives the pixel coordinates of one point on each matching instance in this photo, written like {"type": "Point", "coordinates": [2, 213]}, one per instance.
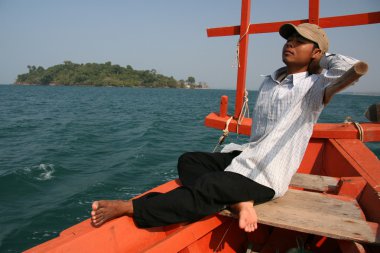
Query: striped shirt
{"type": "Point", "coordinates": [284, 116]}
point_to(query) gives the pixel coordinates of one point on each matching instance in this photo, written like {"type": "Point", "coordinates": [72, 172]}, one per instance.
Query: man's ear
{"type": "Point", "coordinates": [314, 67]}
{"type": "Point", "coordinates": [317, 53]}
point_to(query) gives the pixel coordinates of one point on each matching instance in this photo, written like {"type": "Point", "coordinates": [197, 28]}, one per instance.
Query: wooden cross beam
{"type": "Point", "coordinates": [328, 22]}
{"type": "Point", "coordinates": [217, 120]}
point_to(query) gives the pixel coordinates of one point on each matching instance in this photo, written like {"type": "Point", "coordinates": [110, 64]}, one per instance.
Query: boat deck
{"type": "Point", "coordinates": [323, 214]}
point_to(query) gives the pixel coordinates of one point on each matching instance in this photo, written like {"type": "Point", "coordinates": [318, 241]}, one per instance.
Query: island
{"type": "Point", "coordinates": [102, 74]}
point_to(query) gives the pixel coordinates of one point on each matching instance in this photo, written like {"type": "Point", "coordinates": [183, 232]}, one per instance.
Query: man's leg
{"type": "Point", "coordinates": [211, 193]}
{"type": "Point", "coordinates": [203, 193]}
{"type": "Point", "coordinates": [193, 165]}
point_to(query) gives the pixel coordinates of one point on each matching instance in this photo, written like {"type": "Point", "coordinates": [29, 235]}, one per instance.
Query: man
{"type": "Point", "coordinates": [288, 105]}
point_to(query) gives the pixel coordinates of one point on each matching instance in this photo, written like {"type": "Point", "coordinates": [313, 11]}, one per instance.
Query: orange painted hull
{"type": "Point", "coordinates": [348, 159]}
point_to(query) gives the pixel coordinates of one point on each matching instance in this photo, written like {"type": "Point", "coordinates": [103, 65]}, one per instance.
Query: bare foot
{"type": "Point", "coordinates": [247, 215]}
{"type": "Point", "coordinates": [105, 210]}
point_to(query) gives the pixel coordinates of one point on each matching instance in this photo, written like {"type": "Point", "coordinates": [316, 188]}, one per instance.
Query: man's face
{"type": "Point", "coordinates": [297, 50]}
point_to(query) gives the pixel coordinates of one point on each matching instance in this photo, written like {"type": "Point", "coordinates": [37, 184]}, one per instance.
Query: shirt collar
{"type": "Point", "coordinates": [293, 78]}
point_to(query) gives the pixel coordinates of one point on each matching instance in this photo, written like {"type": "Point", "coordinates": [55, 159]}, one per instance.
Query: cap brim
{"type": "Point", "coordinates": [287, 30]}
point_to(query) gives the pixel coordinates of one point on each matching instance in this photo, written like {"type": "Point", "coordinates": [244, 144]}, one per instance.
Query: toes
{"type": "Point", "coordinates": [97, 209]}
{"type": "Point", "coordinates": [97, 213]}
{"type": "Point", "coordinates": [250, 227]}
{"type": "Point", "coordinates": [95, 205]}
{"type": "Point", "coordinates": [97, 217]}
{"type": "Point", "coordinates": [97, 221]}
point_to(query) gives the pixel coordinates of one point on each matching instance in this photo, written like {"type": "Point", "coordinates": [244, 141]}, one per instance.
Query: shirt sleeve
{"type": "Point", "coordinates": [334, 66]}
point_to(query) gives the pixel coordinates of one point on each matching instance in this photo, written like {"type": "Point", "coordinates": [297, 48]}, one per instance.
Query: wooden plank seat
{"type": "Point", "coordinates": [317, 213]}
{"type": "Point", "coordinates": [315, 182]}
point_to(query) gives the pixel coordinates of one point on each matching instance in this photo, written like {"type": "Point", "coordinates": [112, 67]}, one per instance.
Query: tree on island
{"type": "Point", "coordinates": [95, 74]}
{"type": "Point", "coordinates": [190, 80]}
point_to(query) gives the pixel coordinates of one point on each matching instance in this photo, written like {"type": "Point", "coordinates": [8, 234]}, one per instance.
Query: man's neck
{"type": "Point", "coordinates": [295, 69]}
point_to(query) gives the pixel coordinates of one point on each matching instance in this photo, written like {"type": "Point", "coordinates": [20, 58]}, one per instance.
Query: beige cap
{"type": "Point", "coordinates": [308, 31]}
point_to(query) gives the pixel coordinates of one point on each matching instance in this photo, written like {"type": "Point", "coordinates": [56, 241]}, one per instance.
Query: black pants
{"type": "Point", "coordinates": [206, 189]}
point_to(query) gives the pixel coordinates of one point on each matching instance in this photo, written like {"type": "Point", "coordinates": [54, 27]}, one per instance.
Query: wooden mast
{"type": "Point", "coordinates": [243, 56]}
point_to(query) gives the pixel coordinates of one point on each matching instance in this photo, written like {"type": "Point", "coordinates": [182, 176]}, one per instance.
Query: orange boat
{"type": "Point", "coordinates": [333, 204]}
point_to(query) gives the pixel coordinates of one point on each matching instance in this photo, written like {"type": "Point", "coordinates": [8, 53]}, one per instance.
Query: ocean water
{"type": "Point", "coordinates": [63, 147]}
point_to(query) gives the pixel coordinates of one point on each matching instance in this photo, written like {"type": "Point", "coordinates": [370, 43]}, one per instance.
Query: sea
{"type": "Point", "coordinates": [63, 147]}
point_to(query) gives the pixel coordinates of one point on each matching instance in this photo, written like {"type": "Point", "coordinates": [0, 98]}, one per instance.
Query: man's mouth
{"type": "Point", "coordinates": [288, 52]}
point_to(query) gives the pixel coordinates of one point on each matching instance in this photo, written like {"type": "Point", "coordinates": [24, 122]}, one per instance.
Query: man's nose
{"type": "Point", "coordinates": [290, 43]}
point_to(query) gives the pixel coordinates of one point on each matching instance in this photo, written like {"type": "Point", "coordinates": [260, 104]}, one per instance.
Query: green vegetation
{"type": "Point", "coordinates": [105, 74]}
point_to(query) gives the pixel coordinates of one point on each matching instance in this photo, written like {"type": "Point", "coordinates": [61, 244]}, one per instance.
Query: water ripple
{"type": "Point", "coordinates": [41, 172]}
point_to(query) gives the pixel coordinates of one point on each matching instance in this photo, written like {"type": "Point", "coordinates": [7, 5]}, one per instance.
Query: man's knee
{"type": "Point", "coordinates": [186, 159]}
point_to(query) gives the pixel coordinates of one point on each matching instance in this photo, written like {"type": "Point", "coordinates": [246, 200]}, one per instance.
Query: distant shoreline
{"type": "Point", "coordinates": [102, 74]}
{"type": "Point", "coordinates": [105, 86]}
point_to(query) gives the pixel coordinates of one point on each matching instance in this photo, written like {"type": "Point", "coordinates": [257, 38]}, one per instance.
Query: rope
{"type": "Point", "coordinates": [244, 113]}
{"type": "Point", "coordinates": [361, 131]}
{"type": "Point", "coordinates": [224, 135]}
{"type": "Point", "coordinates": [224, 235]}
{"type": "Point", "coordinates": [237, 60]}
{"type": "Point", "coordinates": [349, 120]}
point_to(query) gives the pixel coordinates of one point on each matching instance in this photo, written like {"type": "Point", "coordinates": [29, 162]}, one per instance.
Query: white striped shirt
{"type": "Point", "coordinates": [284, 116]}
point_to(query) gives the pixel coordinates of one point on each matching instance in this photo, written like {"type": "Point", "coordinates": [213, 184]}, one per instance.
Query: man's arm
{"type": "Point", "coordinates": [348, 78]}
{"type": "Point", "coordinates": [340, 73]}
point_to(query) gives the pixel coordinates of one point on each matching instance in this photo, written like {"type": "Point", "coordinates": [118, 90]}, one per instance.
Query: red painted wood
{"type": "Point", "coordinates": [321, 130]}
{"type": "Point", "coordinates": [363, 160]}
{"type": "Point", "coordinates": [346, 131]}
{"type": "Point", "coordinates": [370, 203]}
{"type": "Point", "coordinates": [243, 53]}
{"type": "Point", "coordinates": [223, 106]}
{"type": "Point", "coordinates": [350, 20]}
{"type": "Point", "coordinates": [327, 22]}
{"type": "Point", "coordinates": [215, 121]}
{"type": "Point", "coordinates": [352, 187]}
{"type": "Point", "coordinates": [312, 162]}
{"type": "Point", "coordinates": [314, 12]}
{"type": "Point", "coordinates": [187, 235]}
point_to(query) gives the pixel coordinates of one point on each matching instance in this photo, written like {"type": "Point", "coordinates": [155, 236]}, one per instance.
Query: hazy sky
{"type": "Point", "coordinates": [169, 36]}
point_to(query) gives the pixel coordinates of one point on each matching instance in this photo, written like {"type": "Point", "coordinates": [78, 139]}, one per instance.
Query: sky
{"type": "Point", "coordinates": [170, 37]}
